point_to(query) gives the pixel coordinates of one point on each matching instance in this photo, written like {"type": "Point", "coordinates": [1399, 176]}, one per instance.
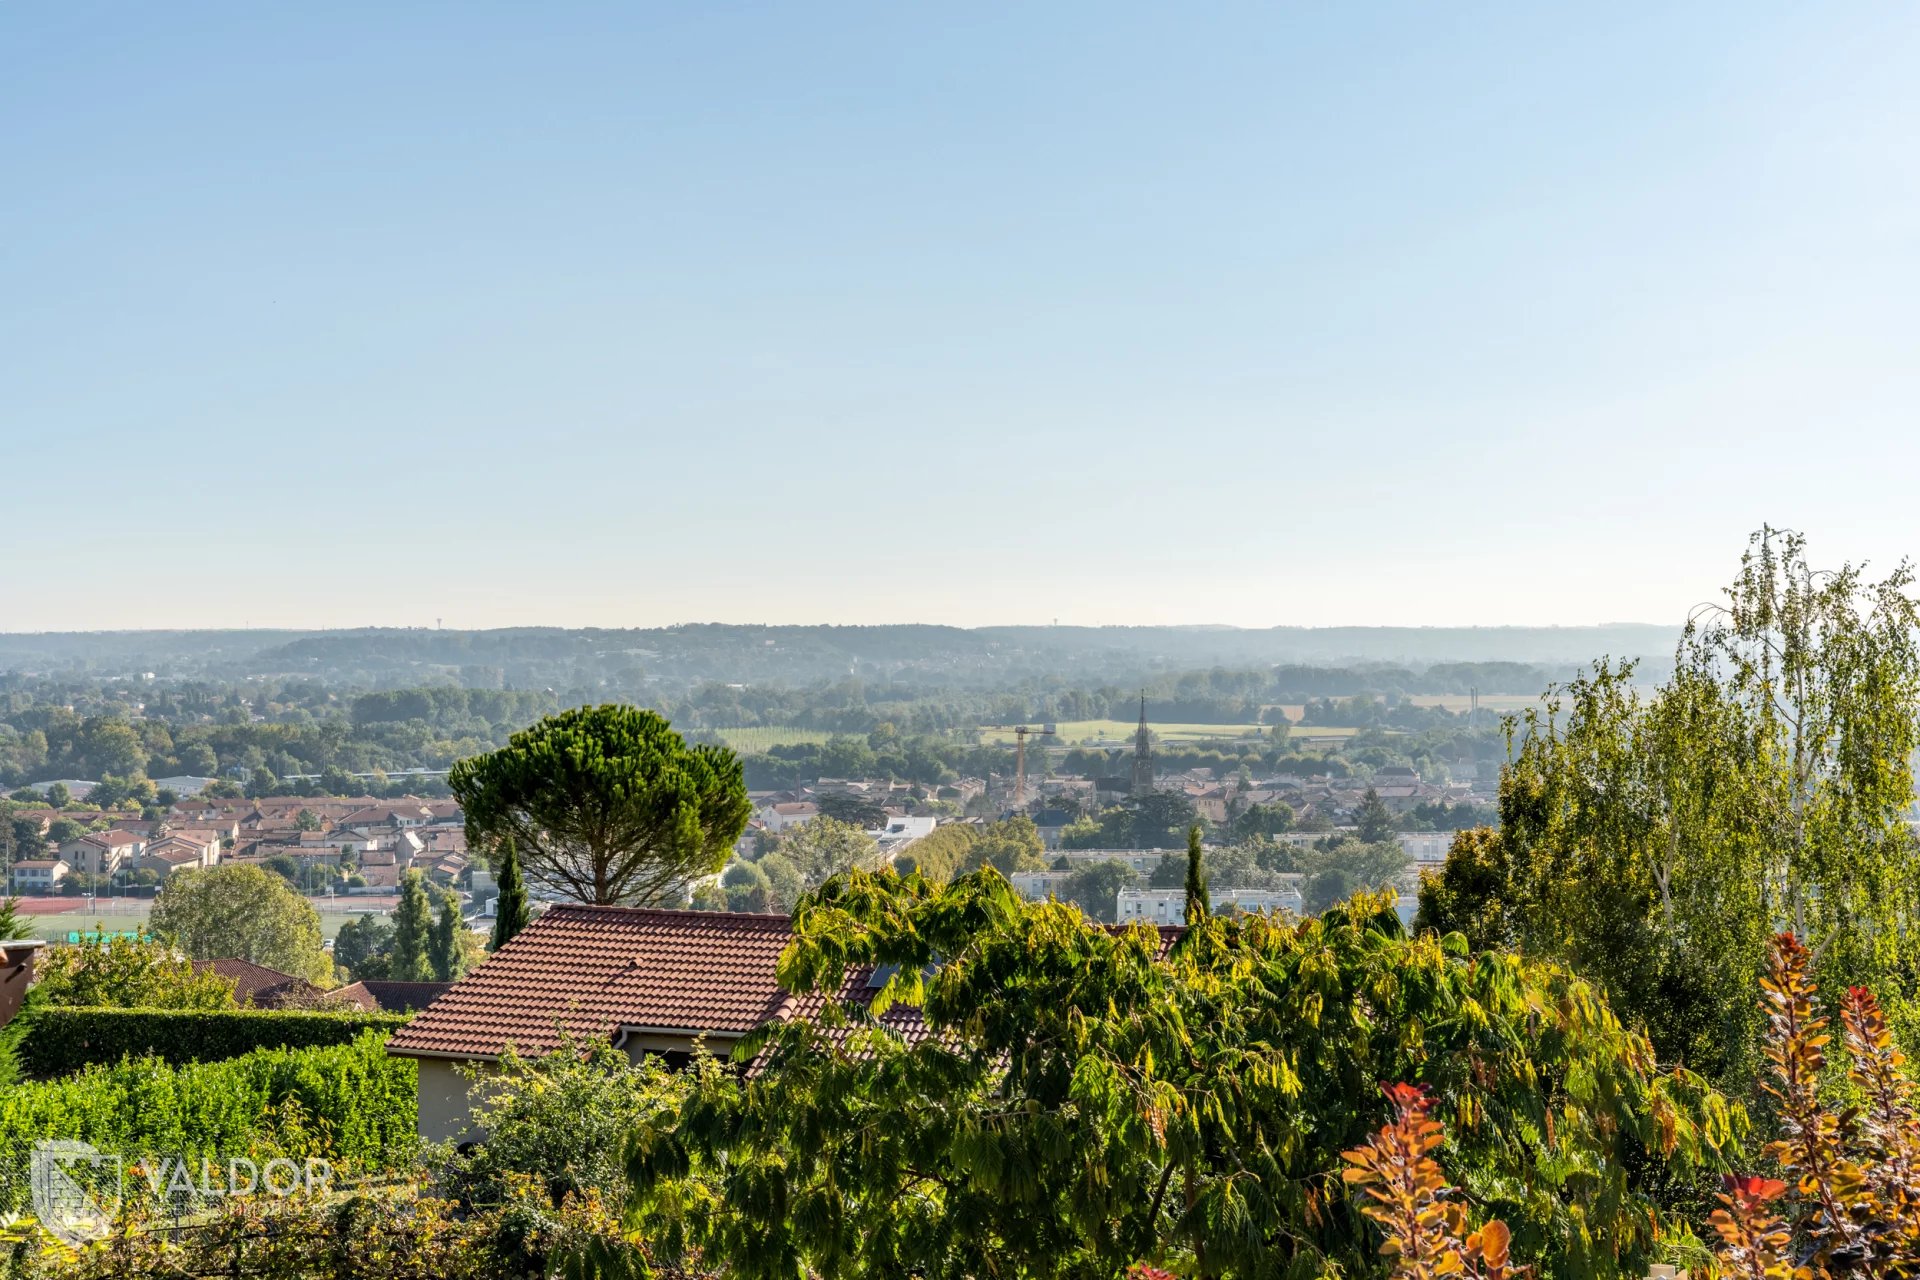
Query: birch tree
{"type": "Point", "coordinates": [1657, 839]}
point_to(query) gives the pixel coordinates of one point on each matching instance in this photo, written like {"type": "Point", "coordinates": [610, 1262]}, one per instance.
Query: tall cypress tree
{"type": "Point", "coordinates": [510, 910]}
{"type": "Point", "coordinates": [1197, 909]}
{"type": "Point", "coordinates": [443, 951]}
{"type": "Point", "coordinates": [412, 927]}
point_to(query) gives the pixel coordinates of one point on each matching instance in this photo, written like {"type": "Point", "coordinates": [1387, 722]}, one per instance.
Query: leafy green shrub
{"type": "Point", "coordinates": [13, 1039]}
{"type": "Point", "coordinates": [561, 1121]}
{"type": "Point", "coordinates": [396, 1233]}
{"type": "Point", "coordinates": [350, 1104]}
{"type": "Point", "coordinates": [1081, 1102]}
{"type": "Point", "coordinates": [125, 973]}
{"type": "Point", "coordinates": [65, 1040]}
{"type": "Point", "coordinates": [246, 913]}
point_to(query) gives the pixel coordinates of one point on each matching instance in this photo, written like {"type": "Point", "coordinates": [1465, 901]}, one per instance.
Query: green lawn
{"type": "Point", "coordinates": [1075, 732]}
{"type": "Point", "coordinates": [765, 738]}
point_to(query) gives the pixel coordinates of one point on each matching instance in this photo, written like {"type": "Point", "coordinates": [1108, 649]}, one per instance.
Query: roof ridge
{"type": "Point", "coordinates": [762, 917]}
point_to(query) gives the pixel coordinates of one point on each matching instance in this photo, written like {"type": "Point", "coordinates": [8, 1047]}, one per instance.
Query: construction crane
{"type": "Point", "coordinates": [1020, 734]}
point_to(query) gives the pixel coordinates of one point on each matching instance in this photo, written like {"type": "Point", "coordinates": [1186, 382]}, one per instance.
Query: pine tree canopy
{"type": "Point", "coordinates": [607, 804]}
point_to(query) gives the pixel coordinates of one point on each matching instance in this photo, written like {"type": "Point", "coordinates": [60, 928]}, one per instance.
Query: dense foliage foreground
{"type": "Point", "coordinates": [1257, 1096]}
{"type": "Point", "coordinates": [351, 1105]}
{"type": "Point", "coordinates": [1081, 1103]}
{"type": "Point", "coordinates": [540, 1199]}
{"type": "Point", "coordinates": [1071, 1101]}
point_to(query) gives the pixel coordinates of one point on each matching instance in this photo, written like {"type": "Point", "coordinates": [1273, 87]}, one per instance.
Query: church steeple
{"type": "Point", "coordinates": [1142, 754]}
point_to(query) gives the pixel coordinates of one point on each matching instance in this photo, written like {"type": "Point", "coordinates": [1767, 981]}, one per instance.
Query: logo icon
{"type": "Point", "coordinates": [76, 1189]}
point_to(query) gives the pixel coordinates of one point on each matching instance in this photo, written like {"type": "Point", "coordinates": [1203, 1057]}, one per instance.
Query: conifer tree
{"type": "Point", "coordinates": [510, 909]}
{"type": "Point", "coordinates": [1374, 819]}
{"type": "Point", "coordinates": [443, 948]}
{"type": "Point", "coordinates": [1197, 908]}
{"type": "Point", "coordinates": [607, 804]}
{"type": "Point", "coordinates": [412, 929]}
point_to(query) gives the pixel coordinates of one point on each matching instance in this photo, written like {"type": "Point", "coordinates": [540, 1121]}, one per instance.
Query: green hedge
{"type": "Point", "coordinates": [64, 1040]}
{"type": "Point", "coordinates": [351, 1104]}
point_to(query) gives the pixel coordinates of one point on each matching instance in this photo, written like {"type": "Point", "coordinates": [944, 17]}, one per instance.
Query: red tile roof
{"type": "Point", "coordinates": [598, 970]}
{"type": "Point", "coordinates": [205, 835]}
{"type": "Point", "coordinates": [256, 984]}
{"type": "Point", "coordinates": [167, 844]}
{"type": "Point", "coordinates": [112, 839]}
{"type": "Point", "coordinates": [375, 815]}
{"type": "Point", "coordinates": [174, 857]}
{"type": "Point", "coordinates": [382, 996]}
{"type": "Point", "coordinates": [595, 970]}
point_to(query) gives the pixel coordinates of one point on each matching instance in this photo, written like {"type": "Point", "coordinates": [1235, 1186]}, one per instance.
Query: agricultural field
{"type": "Point", "coordinates": [750, 741]}
{"type": "Point", "coordinates": [1294, 711]}
{"type": "Point", "coordinates": [1073, 733]}
{"type": "Point", "coordinates": [1499, 703]}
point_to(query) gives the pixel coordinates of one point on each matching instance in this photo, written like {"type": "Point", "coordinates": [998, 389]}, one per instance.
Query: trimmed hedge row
{"type": "Point", "coordinates": [351, 1104]}
{"type": "Point", "coordinates": [65, 1040]}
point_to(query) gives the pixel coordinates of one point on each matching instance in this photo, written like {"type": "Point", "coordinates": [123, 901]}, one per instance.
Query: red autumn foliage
{"type": "Point", "coordinates": [1407, 1194]}
{"type": "Point", "coordinates": [1849, 1204]}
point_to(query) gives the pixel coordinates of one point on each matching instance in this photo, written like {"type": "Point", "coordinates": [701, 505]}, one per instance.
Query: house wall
{"type": "Point", "coordinates": [445, 1105]}
{"type": "Point", "coordinates": [85, 856]}
{"type": "Point", "coordinates": [39, 879]}
{"type": "Point", "coordinates": [777, 821]}
{"type": "Point", "coordinates": [1426, 846]}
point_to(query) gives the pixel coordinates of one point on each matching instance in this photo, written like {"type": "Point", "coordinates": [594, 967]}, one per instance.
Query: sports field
{"type": "Point", "coordinates": [54, 918]}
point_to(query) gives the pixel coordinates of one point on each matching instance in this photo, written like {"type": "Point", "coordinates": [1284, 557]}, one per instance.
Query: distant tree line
{"type": "Point", "coordinates": [262, 735]}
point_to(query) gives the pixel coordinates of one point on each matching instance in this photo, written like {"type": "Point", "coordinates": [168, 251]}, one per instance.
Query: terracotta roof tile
{"type": "Point", "coordinates": [594, 970]}
{"type": "Point", "coordinates": [256, 984]}
{"type": "Point", "coordinates": [379, 995]}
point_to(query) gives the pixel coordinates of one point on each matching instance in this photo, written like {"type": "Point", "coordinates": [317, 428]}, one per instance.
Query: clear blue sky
{"type": "Point", "coordinates": [624, 314]}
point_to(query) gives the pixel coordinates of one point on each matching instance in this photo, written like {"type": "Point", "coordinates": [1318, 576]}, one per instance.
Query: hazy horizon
{"type": "Point", "coordinates": [1492, 659]}
{"type": "Point", "coordinates": [1112, 314]}
{"type": "Point", "coordinates": [802, 624]}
